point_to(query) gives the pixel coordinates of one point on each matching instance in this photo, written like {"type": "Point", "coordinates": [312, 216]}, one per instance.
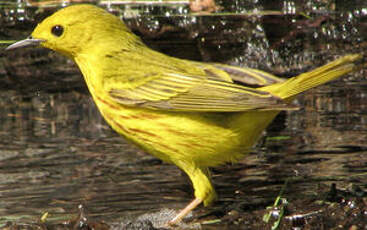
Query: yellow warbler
{"type": "Point", "coordinates": [188, 113]}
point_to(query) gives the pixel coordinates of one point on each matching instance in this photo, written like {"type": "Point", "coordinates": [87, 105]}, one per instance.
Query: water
{"type": "Point", "coordinates": [56, 152]}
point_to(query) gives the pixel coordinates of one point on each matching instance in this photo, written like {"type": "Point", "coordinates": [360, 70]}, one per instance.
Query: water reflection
{"type": "Point", "coordinates": [57, 152]}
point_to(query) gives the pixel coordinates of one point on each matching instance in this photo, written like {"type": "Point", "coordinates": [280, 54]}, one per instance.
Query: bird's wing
{"type": "Point", "coordinates": [173, 91]}
{"type": "Point", "coordinates": [247, 76]}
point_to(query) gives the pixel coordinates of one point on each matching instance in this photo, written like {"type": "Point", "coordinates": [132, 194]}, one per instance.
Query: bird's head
{"type": "Point", "coordinates": [75, 29]}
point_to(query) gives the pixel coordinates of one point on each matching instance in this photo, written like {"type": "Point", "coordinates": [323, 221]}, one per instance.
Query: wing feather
{"type": "Point", "coordinates": [174, 91]}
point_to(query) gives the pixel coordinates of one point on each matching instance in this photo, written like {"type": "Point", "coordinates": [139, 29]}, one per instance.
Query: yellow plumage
{"type": "Point", "coordinates": [187, 113]}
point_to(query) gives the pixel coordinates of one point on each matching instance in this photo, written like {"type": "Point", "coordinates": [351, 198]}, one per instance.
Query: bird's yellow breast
{"type": "Point", "coordinates": [208, 139]}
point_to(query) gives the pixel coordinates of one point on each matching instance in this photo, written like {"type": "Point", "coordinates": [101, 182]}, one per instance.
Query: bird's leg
{"type": "Point", "coordinates": [193, 204]}
{"type": "Point", "coordinates": [204, 191]}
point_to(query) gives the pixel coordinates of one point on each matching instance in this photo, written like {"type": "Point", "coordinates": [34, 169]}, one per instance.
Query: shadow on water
{"type": "Point", "coordinates": [56, 152]}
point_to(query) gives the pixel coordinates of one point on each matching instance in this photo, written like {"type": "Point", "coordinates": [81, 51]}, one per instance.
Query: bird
{"type": "Point", "coordinates": [193, 114]}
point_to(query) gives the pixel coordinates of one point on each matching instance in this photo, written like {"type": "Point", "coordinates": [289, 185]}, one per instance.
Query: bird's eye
{"type": "Point", "coordinates": [57, 30]}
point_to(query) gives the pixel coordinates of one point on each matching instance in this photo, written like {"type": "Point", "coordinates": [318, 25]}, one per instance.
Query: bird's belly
{"type": "Point", "coordinates": [208, 139]}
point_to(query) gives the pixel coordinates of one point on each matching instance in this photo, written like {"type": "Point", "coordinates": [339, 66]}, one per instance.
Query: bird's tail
{"type": "Point", "coordinates": [295, 85]}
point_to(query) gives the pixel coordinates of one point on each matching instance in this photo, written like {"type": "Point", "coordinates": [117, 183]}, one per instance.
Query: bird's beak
{"type": "Point", "coordinates": [25, 43]}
